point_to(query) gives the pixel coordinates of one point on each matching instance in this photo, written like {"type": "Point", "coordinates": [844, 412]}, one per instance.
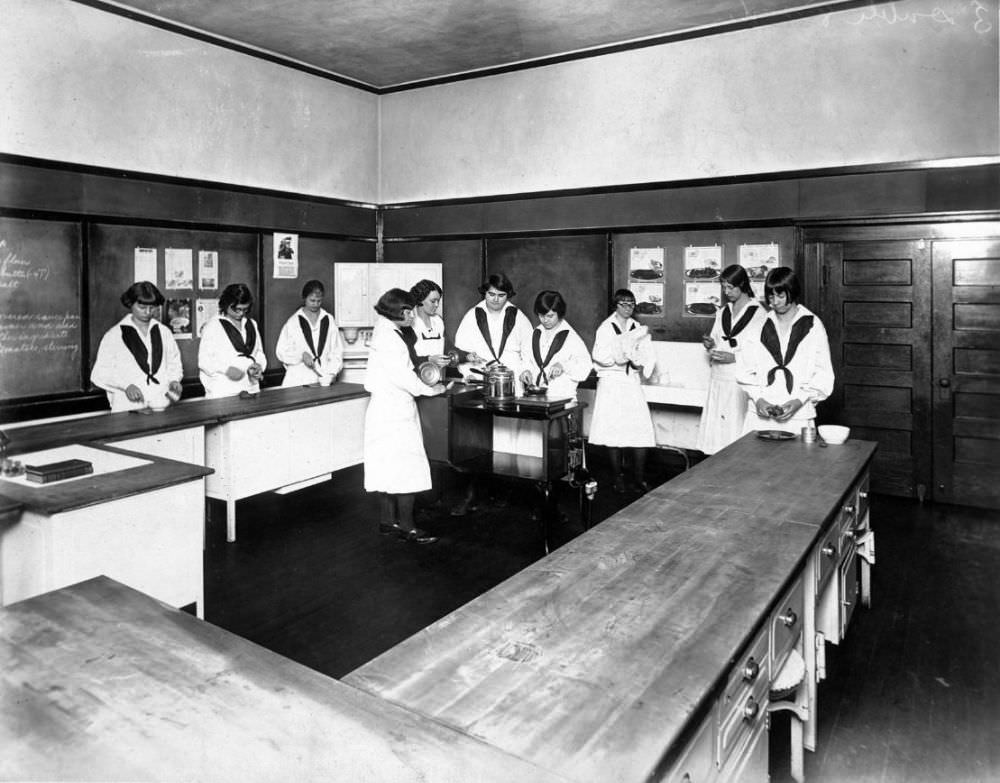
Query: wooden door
{"type": "Point", "coordinates": [876, 304]}
{"type": "Point", "coordinates": [967, 372]}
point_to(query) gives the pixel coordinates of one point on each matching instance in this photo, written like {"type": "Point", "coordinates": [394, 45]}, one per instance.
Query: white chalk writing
{"type": "Point", "coordinates": [891, 14]}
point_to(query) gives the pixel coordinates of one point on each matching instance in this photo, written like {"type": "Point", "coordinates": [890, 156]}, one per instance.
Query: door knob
{"type": "Point", "coordinates": [944, 383]}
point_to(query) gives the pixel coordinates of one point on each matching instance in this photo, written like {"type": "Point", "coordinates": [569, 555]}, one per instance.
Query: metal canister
{"type": "Point", "coordinates": [809, 432]}
{"type": "Point", "coordinates": [499, 386]}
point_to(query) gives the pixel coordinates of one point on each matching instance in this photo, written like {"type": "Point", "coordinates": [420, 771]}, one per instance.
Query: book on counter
{"type": "Point", "coordinates": [57, 471]}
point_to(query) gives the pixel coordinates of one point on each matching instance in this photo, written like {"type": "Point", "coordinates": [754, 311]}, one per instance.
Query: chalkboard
{"type": "Point", "coordinates": [575, 266]}
{"type": "Point", "coordinates": [40, 318]}
{"type": "Point", "coordinates": [112, 270]}
{"type": "Point", "coordinates": [283, 296]}
{"type": "Point", "coordinates": [674, 323]}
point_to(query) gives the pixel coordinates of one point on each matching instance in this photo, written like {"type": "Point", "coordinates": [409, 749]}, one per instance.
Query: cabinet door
{"type": "Point", "coordinates": [310, 433]}
{"type": "Point", "coordinates": [351, 295]}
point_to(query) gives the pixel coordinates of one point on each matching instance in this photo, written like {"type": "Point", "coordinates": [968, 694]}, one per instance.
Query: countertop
{"type": "Point", "coordinates": [101, 682]}
{"type": "Point", "coordinates": [589, 661]}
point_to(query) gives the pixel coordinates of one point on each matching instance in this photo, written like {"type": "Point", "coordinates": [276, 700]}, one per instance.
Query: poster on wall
{"type": "Point", "coordinates": [702, 264]}
{"type": "Point", "coordinates": [286, 256]}
{"type": "Point", "coordinates": [178, 268]}
{"type": "Point", "coordinates": [204, 311]}
{"type": "Point", "coordinates": [645, 279]}
{"type": "Point", "coordinates": [144, 265]}
{"type": "Point", "coordinates": [179, 317]}
{"type": "Point", "coordinates": [208, 269]}
{"type": "Point", "coordinates": [702, 298]}
{"type": "Point", "coordinates": [758, 260]}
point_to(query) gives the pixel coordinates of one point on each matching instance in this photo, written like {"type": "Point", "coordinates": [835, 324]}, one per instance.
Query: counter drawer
{"type": "Point", "coordinates": [744, 702]}
{"type": "Point", "coordinates": [827, 556]}
{"type": "Point", "coordinates": [787, 623]}
{"type": "Point", "coordinates": [696, 763]}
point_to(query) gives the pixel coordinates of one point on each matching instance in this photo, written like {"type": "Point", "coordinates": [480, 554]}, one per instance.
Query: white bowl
{"type": "Point", "coordinates": [159, 404]}
{"type": "Point", "coordinates": [834, 434]}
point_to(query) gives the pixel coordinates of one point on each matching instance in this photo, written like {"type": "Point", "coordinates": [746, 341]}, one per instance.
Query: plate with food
{"type": "Point", "coordinates": [776, 435]}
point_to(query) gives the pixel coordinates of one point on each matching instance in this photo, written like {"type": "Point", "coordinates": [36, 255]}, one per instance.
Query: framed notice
{"type": "Point", "coordinates": [286, 256]}
{"type": "Point", "coordinates": [208, 270]}
{"type": "Point", "coordinates": [758, 260]}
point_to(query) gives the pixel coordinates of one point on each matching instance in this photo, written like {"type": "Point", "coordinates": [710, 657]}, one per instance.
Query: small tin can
{"type": "Point", "coordinates": [809, 432]}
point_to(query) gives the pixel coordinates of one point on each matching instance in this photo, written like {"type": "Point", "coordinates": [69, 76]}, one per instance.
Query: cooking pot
{"type": "Point", "coordinates": [430, 373]}
{"type": "Point", "coordinates": [499, 386]}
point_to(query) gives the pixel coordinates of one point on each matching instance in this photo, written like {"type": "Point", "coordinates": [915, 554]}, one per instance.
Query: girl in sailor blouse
{"type": "Point", "coordinates": [788, 369]}
{"type": "Point", "coordinates": [309, 343]}
{"type": "Point", "coordinates": [138, 362]}
{"type": "Point", "coordinates": [495, 331]}
{"type": "Point", "coordinates": [558, 360]}
{"type": "Point", "coordinates": [736, 328]}
{"type": "Point", "coordinates": [231, 356]}
{"type": "Point", "coordinates": [621, 418]}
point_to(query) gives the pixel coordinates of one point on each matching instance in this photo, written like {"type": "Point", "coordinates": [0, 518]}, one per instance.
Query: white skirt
{"type": "Point", "coordinates": [724, 413]}
{"type": "Point", "coordinates": [621, 416]}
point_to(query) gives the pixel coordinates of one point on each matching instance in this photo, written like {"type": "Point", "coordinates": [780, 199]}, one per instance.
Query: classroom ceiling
{"type": "Point", "coordinates": [384, 44]}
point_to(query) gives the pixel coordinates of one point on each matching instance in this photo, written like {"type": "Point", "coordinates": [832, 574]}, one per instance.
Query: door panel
{"type": "Point", "coordinates": [876, 306]}
{"type": "Point", "coordinates": [967, 372]}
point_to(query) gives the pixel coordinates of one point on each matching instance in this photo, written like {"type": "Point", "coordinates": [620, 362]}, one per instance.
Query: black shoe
{"type": "Point", "coordinates": [463, 508]}
{"type": "Point", "coordinates": [417, 536]}
{"type": "Point", "coordinates": [388, 528]}
{"type": "Point", "coordinates": [641, 487]}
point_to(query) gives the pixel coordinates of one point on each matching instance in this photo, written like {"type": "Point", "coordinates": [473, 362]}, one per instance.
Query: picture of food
{"type": "Point", "coordinates": [646, 274]}
{"type": "Point", "coordinates": [701, 273]}
{"type": "Point", "coordinates": [701, 308]}
{"type": "Point", "coordinates": [647, 308]}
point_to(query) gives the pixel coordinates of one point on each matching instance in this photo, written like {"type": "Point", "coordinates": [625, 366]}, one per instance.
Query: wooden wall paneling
{"type": "Point", "coordinates": [111, 271]}
{"type": "Point", "coordinates": [573, 265]}
{"type": "Point", "coordinates": [283, 296]}
{"type": "Point", "coordinates": [104, 193]}
{"type": "Point", "coordinates": [462, 271]}
{"type": "Point", "coordinates": [876, 305]}
{"type": "Point", "coordinates": [967, 371]}
{"type": "Point", "coordinates": [674, 323]}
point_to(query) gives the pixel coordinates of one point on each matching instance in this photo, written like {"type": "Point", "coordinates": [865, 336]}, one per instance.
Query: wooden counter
{"type": "Point", "coordinates": [100, 682]}
{"type": "Point", "coordinates": [189, 413]}
{"type": "Point", "coordinates": [600, 660]}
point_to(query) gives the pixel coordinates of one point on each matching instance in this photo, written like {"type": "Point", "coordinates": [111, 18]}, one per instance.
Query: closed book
{"type": "Point", "coordinates": [56, 471]}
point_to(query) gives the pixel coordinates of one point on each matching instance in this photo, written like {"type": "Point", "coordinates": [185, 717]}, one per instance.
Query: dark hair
{"type": "Point", "coordinates": [392, 303]}
{"type": "Point", "coordinates": [550, 300]}
{"type": "Point", "coordinates": [235, 294]}
{"type": "Point", "coordinates": [142, 292]}
{"type": "Point", "coordinates": [737, 277]}
{"type": "Point", "coordinates": [783, 280]}
{"type": "Point", "coordinates": [312, 286]}
{"type": "Point", "coordinates": [499, 281]}
{"type": "Point", "coordinates": [422, 289]}
{"type": "Point", "coordinates": [622, 295]}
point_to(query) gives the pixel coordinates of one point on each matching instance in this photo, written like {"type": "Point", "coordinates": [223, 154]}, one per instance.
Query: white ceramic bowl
{"type": "Point", "coordinates": [834, 434]}
{"type": "Point", "coordinates": [159, 404]}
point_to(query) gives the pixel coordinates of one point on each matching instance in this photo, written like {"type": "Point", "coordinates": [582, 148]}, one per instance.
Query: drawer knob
{"type": "Point", "coordinates": [789, 618]}
{"type": "Point", "coordinates": [863, 494]}
{"type": "Point", "coordinates": [750, 670]}
{"type": "Point", "coordinates": [830, 551]}
{"type": "Point", "coordinates": [849, 509]}
{"type": "Point", "coordinates": [751, 709]}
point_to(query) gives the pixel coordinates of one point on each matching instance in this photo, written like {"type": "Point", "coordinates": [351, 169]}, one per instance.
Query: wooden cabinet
{"type": "Point", "coordinates": [358, 286]}
{"type": "Point", "coordinates": [285, 450]}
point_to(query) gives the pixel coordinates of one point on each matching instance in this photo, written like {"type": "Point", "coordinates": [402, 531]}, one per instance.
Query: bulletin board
{"type": "Point", "coordinates": [112, 270]}
{"type": "Point", "coordinates": [40, 311]}
{"type": "Point", "coordinates": [575, 266]}
{"type": "Point", "coordinates": [283, 296]}
{"type": "Point", "coordinates": [682, 292]}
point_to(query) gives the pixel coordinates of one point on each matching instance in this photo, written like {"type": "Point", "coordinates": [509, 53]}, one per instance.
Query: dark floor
{"type": "Point", "coordinates": [913, 694]}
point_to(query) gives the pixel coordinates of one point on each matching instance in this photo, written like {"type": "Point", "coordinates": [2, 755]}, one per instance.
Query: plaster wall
{"type": "Point", "coordinates": [85, 86]}
{"type": "Point", "coordinates": [892, 82]}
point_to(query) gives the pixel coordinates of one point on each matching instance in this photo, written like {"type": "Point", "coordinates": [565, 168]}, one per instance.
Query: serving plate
{"type": "Point", "coordinates": [776, 435]}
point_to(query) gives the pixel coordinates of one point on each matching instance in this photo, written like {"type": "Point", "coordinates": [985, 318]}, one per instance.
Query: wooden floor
{"type": "Point", "coordinates": [912, 695]}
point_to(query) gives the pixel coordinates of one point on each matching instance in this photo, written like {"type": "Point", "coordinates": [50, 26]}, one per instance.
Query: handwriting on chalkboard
{"type": "Point", "coordinates": [46, 333]}
{"type": "Point", "coordinates": [16, 271]}
{"type": "Point", "coordinates": [889, 13]}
